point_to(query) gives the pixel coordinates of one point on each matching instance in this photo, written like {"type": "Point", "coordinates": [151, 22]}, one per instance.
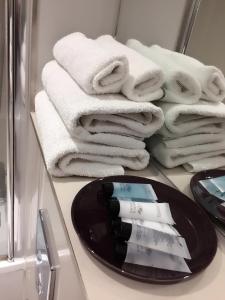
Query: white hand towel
{"type": "Point", "coordinates": [96, 70]}
{"type": "Point", "coordinates": [207, 129]}
{"type": "Point", "coordinates": [101, 119]}
{"type": "Point", "coordinates": [193, 140]}
{"type": "Point", "coordinates": [66, 156]}
{"type": "Point", "coordinates": [145, 77]}
{"type": "Point", "coordinates": [181, 119]}
{"type": "Point", "coordinates": [180, 86]}
{"type": "Point", "coordinates": [208, 163]}
{"type": "Point", "coordinates": [211, 78]}
{"type": "Point", "coordinates": [172, 157]}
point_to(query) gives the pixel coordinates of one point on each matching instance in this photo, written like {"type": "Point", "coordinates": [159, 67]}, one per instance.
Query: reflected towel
{"type": "Point", "coordinates": [106, 119]}
{"type": "Point", "coordinates": [208, 163]}
{"type": "Point", "coordinates": [193, 140]}
{"type": "Point", "coordinates": [180, 85]}
{"type": "Point", "coordinates": [172, 157]}
{"type": "Point", "coordinates": [66, 156]}
{"type": "Point", "coordinates": [211, 78]}
{"type": "Point", "coordinates": [97, 71]}
{"type": "Point", "coordinates": [181, 119]}
{"type": "Point", "coordinates": [145, 77]}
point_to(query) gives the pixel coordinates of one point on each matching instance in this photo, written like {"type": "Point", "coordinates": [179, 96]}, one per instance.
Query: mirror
{"type": "Point", "coordinates": [207, 41]}
{"type": "Point", "coordinates": [152, 22]}
{"type": "Point", "coordinates": [194, 139]}
{"type": "Point", "coordinates": [176, 26]}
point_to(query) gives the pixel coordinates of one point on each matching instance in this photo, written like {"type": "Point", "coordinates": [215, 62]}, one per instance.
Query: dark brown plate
{"type": "Point", "coordinates": [210, 203]}
{"type": "Point", "coordinates": [92, 224]}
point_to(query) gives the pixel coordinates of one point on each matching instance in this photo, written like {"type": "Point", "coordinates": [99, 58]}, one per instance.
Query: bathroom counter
{"type": "Point", "coordinates": [102, 283]}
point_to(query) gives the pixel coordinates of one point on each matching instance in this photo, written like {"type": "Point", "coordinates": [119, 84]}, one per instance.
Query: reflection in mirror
{"type": "Point", "coordinates": [194, 86]}
{"type": "Point", "coordinates": [207, 42]}
{"type": "Point", "coordinates": [160, 83]}
{"type": "Point", "coordinates": [153, 21]}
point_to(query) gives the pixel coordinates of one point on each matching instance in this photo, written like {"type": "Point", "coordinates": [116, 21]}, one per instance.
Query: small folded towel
{"type": "Point", "coordinates": [207, 129]}
{"type": "Point", "coordinates": [145, 77]}
{"type": "Point", "coordinates": [66, 156]}
{"type": "Point", "coordinates": [172, 157]}
{"type": "Point", "coordinates": [105, 119]}
{"type": "Point", "coordinates": [193, 140]}
{"type": "Point", "coordinates": [180, 85]}
{"type": "Point", "coordinates": [97, 71]}
{"type": "Point", "coordinates": [211, 78]}
{"type": "Point", "coordinates": [181, 119]}
{"type": "Point", "coordinates": [204, 164]}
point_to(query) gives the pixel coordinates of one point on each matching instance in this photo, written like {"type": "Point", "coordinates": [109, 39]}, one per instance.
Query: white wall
{"type": "Point", "coordinates": [151, 21]}
{"type": "Point", "coordinates": [55, 18]}
{"type": "Point", "coordinates": [207, 42]}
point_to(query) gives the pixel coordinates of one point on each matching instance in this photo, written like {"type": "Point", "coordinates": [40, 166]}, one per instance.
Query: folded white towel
{"type": "Point", "coordinates": [145, 77]}
{"type": "Point", "coordinates": [96, 70]}
{"type": "Point", "coordinates": [208, 163]}
{"type": "Point", "coordinates": [180, 86]}
{"type": "Point", "coordinates": [207, 129]}
{"type": "Point", "coordinates": [193, 140]}
{"type": "Point", "coordinates": [101, 119]}
{"type": "Point", "coordinates": [181, 119]}
{"type": "Point", "coordinates": [66, 156]}
{"type": "Point", "coordinates": [172, 157]}
{"type": "Point", "coordinates": [211, 78]}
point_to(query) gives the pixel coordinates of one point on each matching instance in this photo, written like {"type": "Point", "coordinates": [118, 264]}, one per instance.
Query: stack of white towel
{"type": "Point", "coordinates": [87, 122]}
{"type": "Point", "coordinates": [193, 134]}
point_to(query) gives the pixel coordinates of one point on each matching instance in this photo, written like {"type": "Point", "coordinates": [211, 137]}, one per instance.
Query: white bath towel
{"type": "Point", "coordinates": [207, 129]}
{"type": "Point", "coordinates": [180, 85]}
{"type": "Point", "coordinates": [193, 140]}
{"type": "Point", "coordinates": [107, 119]}
{"type": "Point", "coordinates": [181, 119]}
{"type": "Point", "coordinates": [96, 70]}
{"type": "Point", "coordinates": [172, 157]}
{"type": "Point", "coordinates": [211, 78]}
{"type": "Point", "coordinates": [145, 77]}
{"type": "Point", "coordinates": [208, 163]}
{"type": "Point", "coordinates": [66, 156]}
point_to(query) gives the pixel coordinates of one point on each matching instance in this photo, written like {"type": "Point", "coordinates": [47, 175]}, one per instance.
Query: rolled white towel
{"type": "Point", "coordinates": [211, 78]}
{"type": "Point", "coordinates": [180, 85]}
{"type": "Point", "coordinates": [173, 157]}
{"type": "Point", "coordinates": [145, 77]}
{"type": "Point", "coordinates": [181, 119]}
{"type": "Point", "coordinates": [105, 119]}
{"type": "Point", "coordinates": [66, 156]}
{"type": "Point", "coordinates": [96, 70]}
{"type": "Point", "coordinates": [204, 164]}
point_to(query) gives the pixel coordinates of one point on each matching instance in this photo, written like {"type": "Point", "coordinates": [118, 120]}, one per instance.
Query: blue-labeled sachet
{"type": "Point", "coordinates": [138, 192]}
{"type": "Point", "coordinates": [215, 186]}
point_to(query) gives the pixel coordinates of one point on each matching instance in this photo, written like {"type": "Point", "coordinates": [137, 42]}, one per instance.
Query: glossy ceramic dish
{"type": "Point", "coordinates": [210, 203]}
{"type": "Point", "coordinates": [92, 223]}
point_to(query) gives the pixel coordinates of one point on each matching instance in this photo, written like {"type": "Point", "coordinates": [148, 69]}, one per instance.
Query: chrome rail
{"type": "Point", "coordinates": [190, 15]}
{"type": "Point", "coordinates": [10, 124]}
{"type": "Point", "coordinates": [47, 257]}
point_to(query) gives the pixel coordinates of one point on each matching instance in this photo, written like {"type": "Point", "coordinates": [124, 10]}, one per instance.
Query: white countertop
{"type": "Point", "coordinates": [102, 283]}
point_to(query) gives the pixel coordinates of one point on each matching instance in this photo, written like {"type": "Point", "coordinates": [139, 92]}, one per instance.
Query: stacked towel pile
{"type": "Point", "coordinates": [95, 109]}
{"type": "Point", "coordinates": [193, 134]}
